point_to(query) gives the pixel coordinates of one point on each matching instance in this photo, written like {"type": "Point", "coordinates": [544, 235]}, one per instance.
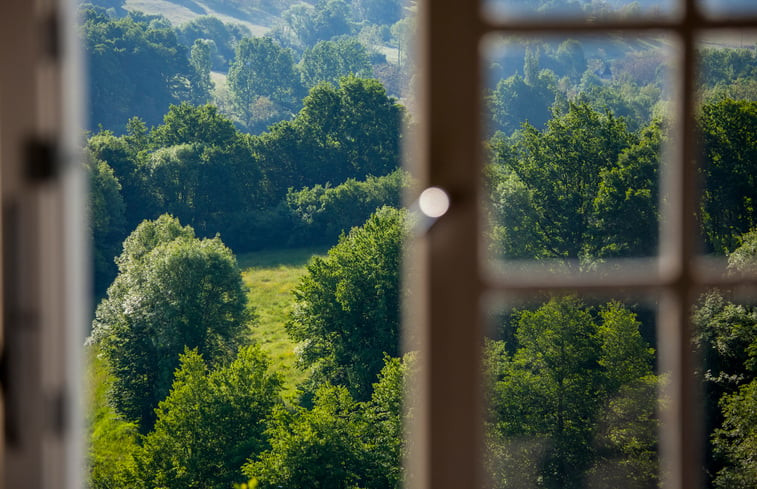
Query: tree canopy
{"type": "Point", "coordinates": [210, 422]}
{"type": "Point", "coordinates": [173, 291]}
{"type": "Point", "coordinates": [347, 312]}
{"type": "Point", "coordinates": [562, 392]}
{"type": "Point", "coordinates": [136, 67]}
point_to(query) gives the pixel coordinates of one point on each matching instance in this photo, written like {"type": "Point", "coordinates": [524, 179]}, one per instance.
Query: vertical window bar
{"type": "Point", "coordinates": [681, 433]}
{"type": "Point", "coordinates": [447, 454]}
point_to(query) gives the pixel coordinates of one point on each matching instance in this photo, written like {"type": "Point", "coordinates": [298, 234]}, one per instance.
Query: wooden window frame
{"type": "Point", "coordinates": [44, 300]}
{"type": "Point", "coordinates": [450, 282]}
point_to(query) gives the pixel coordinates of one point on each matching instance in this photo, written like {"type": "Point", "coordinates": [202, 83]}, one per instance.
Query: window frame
{"type": "Point", "coordinates": [44, 304]}
{"type": "Point", "coordinates": [451, 283]}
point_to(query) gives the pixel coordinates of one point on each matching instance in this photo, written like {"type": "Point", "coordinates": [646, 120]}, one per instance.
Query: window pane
{"type": "Point", "coordinates": [575, 131]}
{"type": "Point", "coordinates": [572, 394]}
{"type": "Point", "coordinates": [578, 9]}
{"type": "Point", "coordinates": [728, 8]}
{"type": "Point", "coordinates": [727, 124]}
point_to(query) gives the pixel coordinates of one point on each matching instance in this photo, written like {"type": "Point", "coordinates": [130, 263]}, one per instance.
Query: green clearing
{"type": "Point", "coordinates": [270, 276]}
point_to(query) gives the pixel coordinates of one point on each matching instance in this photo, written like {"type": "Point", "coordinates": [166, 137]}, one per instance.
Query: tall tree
{"type": "Point", "coordinates": [350, 131]}
{"type": "Point", "coordinates": [347, 313]}
{"type": "Point", "coordinates": [200, 85]}
{"type": "Point", "coordinates": [210, 423]}
{"type": "Point", "coordinates": [328, 61]}
{"type": "Point", "coordinates": [568, 363]}
{"type": "Point", "coordinates": [726, 341]}
{"type": "Point", "coordinates": [173, 291]}
{"type": "Point", "coordinates": [136, 68]}
{"type": "Point", "coordinates": [571, 190]}
{"type": "Point", "coordinates": [339, 443]}
{"type": "Point", "coordinates": [262, 68]}
{"type": "Point", "coordinates": [107, 220]}
{"type": "Point", "coordinates": [728, 130]}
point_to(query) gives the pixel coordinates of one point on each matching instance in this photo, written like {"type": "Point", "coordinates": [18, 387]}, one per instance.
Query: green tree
{"type": "Point", "coordinates": [224, 38]}
{"type": "Point", "coordinates": [383, 12]}
{"type": "Point", "coordinates": [729, 172]}
{"type": "Point", "coordinates": [107, 220]}
{"type": "Point", "coordinates": [328, 61]}
{"type": "Point", "coordinates": [173, 291]}
{"type": "Point", "coordinates": [202, 171]}
{"type": "Point", "coordinates": [347, 311]}
{"type": "Point", "coordinates": [212, 420]}
{"type": "Point", "coordinates": [323, 213]}
{"type": "Point", "coordinates": [121, 154]}
{"type": "Point", "coordinates": [339, 443]}
{"type": "Point", "coordinates": [736, 441]}
{"type": "Point", "coordinates": [516, 101]}
{"type": "Point", "coordinates": [726, 340]}
{"type": "Point", "coordinates": [200, 84]}
{"type": "Point", "coordinates": [262, 68]}
{"type": "Point", "coordinates": [320, 447]}
{"type": "Point", "coordinates": [322, 21]}
{"type": "Point", "coordinates": [347, 132]}
{"type": "Point", "coordinates": [570, 190]}
{"type": "Point", "coordinates": [564, 390]}
{"type": "Point", "coordinates": [136, 66]}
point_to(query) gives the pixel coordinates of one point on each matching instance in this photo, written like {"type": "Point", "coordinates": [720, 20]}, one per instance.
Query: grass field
{"type": "Point", "coordinates": [270, 276]}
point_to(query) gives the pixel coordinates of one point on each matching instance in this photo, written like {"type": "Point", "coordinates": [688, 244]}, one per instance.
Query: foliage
{"type": "Point", "coordinates": [726, 341]}
{"type": "Point", "coordinates": [380, 12]}
{"type": "Point", "coordinates": [347, 132]}
{"type": "Point", "coordinates": [329, 61]}
{"type": "Point", "coordinates": [323, 213]}
{"type": "Point", "coordinates": [211, 421]}
{"type": "Point", "coordinates": [304, 25]}
{"type": "Point", "coordinates": [736, 441]}
{"type": "Point", "coordinates": [262, 68]}
{"type": "Point", "coordinates": [347, 310]}
{"type": "Point", "coordinates": [200, 84]}
{"type": "Point", "coordinates": [549, 413]}
{"type": "Point", "coordinates": [517, 100]}
{"type": "Point", "coordinates": [173, 291]}
{"type": "Point", "coordinates": [338, 443]}
{"type": "Point", "coordinates": [725, 66]}
{"type": "Point", "coordinates": [581, 188]}
{"type": "Point", "coordinates": [728, 130]}
{"type": "Point", "coordinates": [136, 67]}
{"type": "Point", "coordinates": [313, 448]}
{"type": "Point", "coordinates": [224, 38]}
{"type": "Point", "coordinates": [107, 219]}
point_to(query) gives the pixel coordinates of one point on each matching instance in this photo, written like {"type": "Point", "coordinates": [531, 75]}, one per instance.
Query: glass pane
{"type": "Point", "coordinates": [576, 129]}
{"type": "Point", "coordinates": [728, 8]}
{"type": "Point", "coordinates": [725, 340]}
{"type": "Point", "coordinates": [727, 124]}
{"type": "Point", "coordinates": [578, 9]}
{"type": "Point", "coordinates": [572, 394]}
{"type": "Point", "coordinates": [247, 228]}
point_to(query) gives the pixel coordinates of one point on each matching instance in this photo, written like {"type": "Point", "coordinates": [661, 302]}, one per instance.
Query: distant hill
{"type": "Point", "coordinates": [258, 16]}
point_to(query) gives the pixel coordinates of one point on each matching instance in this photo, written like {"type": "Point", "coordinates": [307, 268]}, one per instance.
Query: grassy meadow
{"type": "Point", "coordinates": [271, 276]}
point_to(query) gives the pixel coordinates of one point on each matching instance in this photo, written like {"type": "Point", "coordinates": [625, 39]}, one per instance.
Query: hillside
{"type": "Point", "coordinates": [178, 12]}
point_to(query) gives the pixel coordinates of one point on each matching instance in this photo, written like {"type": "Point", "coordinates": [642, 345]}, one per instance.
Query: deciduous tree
{"type": "Point", "coordinates": [173, 291]}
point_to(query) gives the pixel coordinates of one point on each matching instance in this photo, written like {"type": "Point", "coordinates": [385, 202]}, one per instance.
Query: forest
{"type": "Point", "coordinates": [247, 225]}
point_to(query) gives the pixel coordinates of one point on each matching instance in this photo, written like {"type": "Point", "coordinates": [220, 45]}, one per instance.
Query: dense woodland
{"type": "Point", "coordinates": [207, 143]}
